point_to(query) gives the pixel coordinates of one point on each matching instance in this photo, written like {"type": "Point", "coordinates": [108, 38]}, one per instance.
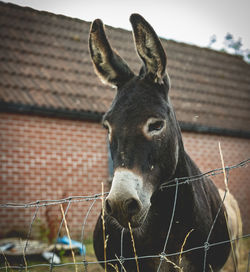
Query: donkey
{"type": "Point", "coordinates": [234, 224]}
{"type": "Point", "coordinates": [147, 150]}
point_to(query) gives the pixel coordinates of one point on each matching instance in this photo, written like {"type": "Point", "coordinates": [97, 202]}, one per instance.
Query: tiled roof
{"type": "Point", "coordinates": [45, 64]}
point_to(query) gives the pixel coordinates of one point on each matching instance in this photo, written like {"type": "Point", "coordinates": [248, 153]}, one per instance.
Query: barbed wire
{"type": "Point", "coordinates": [124, 259]}
{"type": "Point", "coordinates": [43, 203]}
{"type": "Point", "coordinates": [214, 172]}
{"type": "Point", "coordinates": [170, 183]}
{"type": "Point", "coordinates": [93, 198]}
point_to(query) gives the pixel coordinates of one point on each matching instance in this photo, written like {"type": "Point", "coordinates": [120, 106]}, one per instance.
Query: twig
{"type": "Point", "coordinates": [7, 264]}
{"type": "Point", "coordinates": [223, 168]}
{"type": "Point", "coordinates": [120, 263]}
{"type": "Point", "coordinates": [227, 190]}
{"type": "Point", "coordinates": [24, 258]}
{"type": "Point", "coordinates": [230, 237]}
{"type": "Point", "coordinates": [182, 247]}
{"type": "Point", "coordinates": [211, 269]}
{"type": "Point", "coordinates": [133, 242]}
{"type": "Point", "coordinates": [114, 266]}
{"type": "Point", "coordinates": [174, 264]}
{"type": "Point", "coordinates": [70, 244]}
{"type": "Point", "coordinates": [103, 231]}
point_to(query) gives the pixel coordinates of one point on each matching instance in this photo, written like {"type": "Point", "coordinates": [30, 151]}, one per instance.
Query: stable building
{"type": "Point", "coordinates": [52, 144]}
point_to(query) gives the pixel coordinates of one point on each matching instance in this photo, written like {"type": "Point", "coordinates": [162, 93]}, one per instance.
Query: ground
{"type": "Point", "coordinates": [245, 248]}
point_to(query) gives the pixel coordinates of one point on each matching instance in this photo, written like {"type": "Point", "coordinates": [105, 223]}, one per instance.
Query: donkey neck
{"type": "Point", "coordinates": [164, 207]}
{"type": "Point", "coordinates": [185, 166]}
{"type": "Point", "coordinates": [163, 200]}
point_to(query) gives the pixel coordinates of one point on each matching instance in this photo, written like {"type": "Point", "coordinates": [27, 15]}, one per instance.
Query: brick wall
{"type": "Point", "coordinates": [204, 150]}
{"type": "Point", "coordinates": [51, 158]}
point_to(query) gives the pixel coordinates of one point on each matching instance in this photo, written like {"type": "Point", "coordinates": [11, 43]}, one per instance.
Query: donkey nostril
{"type": "Point", "coordinates": [108, 207]}
{"type": "Point", "coordinates": [132, 206]}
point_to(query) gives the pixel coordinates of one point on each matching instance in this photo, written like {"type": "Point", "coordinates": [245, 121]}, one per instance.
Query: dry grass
{"type": "Point", "coordinates": [67, 230]}
{"type": "Point", "coordinates": [245, 248]}
{"type": "Point", "coordinates": [105, 239]}
{"type": "Point", "coordinates": [133, 242]}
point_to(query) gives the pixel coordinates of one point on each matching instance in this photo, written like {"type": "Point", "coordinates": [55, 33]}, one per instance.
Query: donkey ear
{"type": "Point", "coordinates": [149, 47]}
{"type": "Point", "coordinates": [110, 67]}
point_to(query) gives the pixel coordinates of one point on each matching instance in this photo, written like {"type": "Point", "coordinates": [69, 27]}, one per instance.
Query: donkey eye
{"type": "Point", "coordinates": [156, 126]}
{"type": "Point", "coordinates": [153, 127]}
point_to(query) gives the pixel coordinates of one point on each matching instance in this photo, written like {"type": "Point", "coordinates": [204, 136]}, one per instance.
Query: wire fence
{"type": "Point", "coordinates": [162, 257]}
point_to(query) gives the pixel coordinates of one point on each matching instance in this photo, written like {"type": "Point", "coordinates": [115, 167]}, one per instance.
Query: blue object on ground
{"type": "Point", "coordinates": [6, 246]}
{"type": "Point", "coordinates": [65, 240]}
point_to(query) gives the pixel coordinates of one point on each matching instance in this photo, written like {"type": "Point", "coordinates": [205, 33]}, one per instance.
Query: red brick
{"type": "Point", "coordinates": [49, 158]}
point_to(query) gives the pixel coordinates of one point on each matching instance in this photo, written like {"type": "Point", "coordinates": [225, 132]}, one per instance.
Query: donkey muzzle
{"type": "Point", "coordinates": [127, 200]}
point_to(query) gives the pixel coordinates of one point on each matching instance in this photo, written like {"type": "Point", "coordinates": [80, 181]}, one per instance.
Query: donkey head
{"type": "Point", "coordinates": [143, 132]}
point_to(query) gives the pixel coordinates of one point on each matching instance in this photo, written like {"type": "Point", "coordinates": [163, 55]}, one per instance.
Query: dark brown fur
{"type": "Point", "coordinates": [157, 160]}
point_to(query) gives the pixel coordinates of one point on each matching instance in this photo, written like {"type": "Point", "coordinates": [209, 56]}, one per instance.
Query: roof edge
{"type": "Point", "coordinates": [188, 127]}
{"type": "Point", "coordinates": [41, 11]}
{"type": "Point", "coordinates": [50, 112]}
{"type": "Point", "coordinates": [97, 117]}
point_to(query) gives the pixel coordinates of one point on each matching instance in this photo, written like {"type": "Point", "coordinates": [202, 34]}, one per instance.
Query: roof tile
{"type": "Point", "coordinates": [44, 62]}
